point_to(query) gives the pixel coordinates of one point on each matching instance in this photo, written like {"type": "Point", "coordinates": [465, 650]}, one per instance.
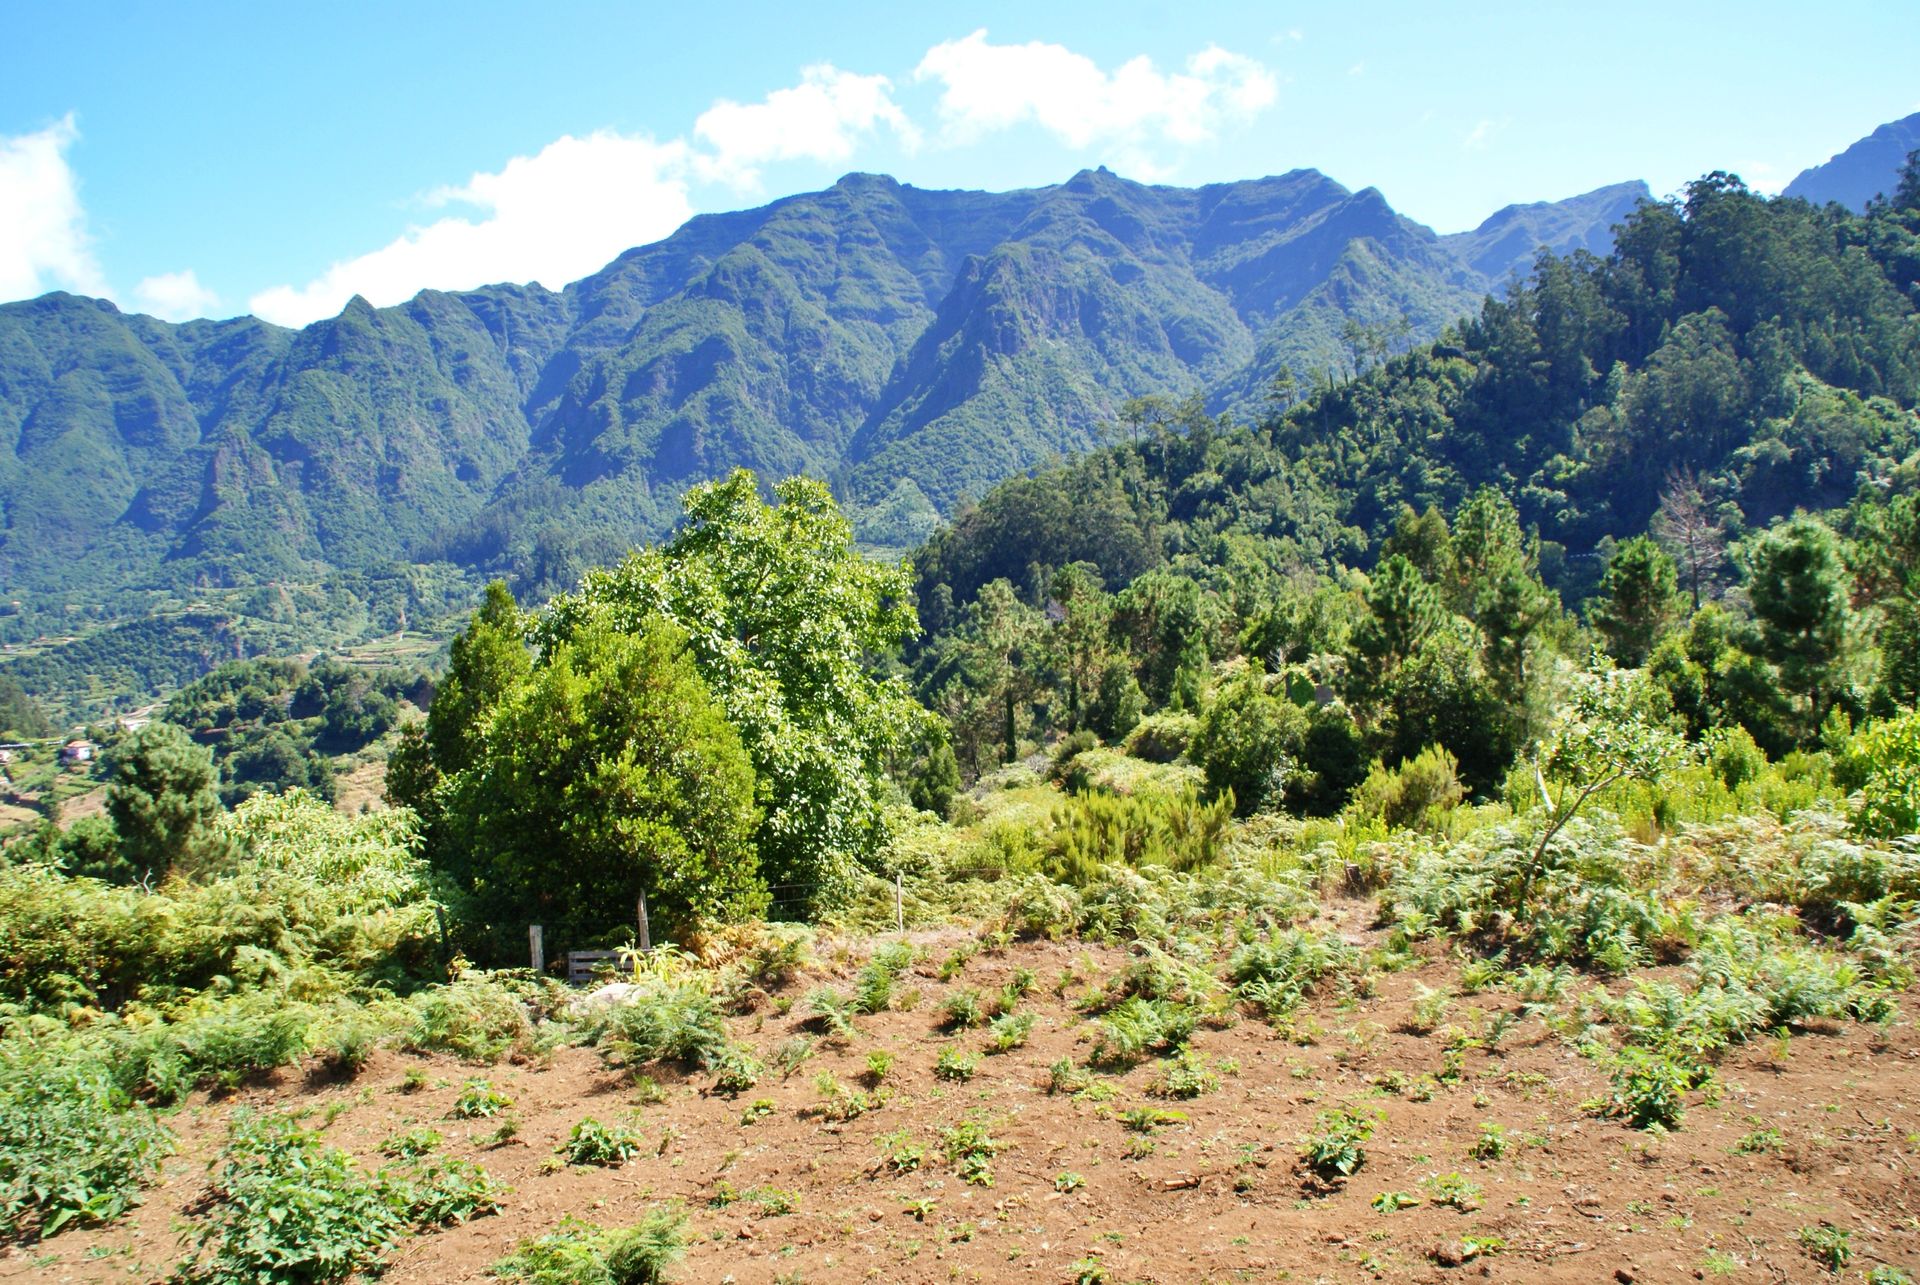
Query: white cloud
{"type": "Point", "coordinates": [1481, 135]}
{"type": "Point", "coordinates": [175, 296]}
{"type": "Point", "coordinates": [1764, 176]}
{"type": "Point", "coordinates": [819, 119]}
{"type": "Point", "coordinates": [43, 228]}
{"type": "Point", "coordinates": [1358, 69]}
{"type": "Point", "coordinates": [553, 217]}
{"type": "Point", "coordinates": [988, 87]}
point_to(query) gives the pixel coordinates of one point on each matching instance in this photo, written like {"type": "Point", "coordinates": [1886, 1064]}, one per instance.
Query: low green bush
{"type": "Point", "coordinates": [477, 1019]}
{"type": "Point", "coordinates": [73, 1147]}
{"type": "Point", "coordinates": [1137, 1026]}
{"type": "Point", "coordinates": [580, 1253]}
{"type": "Point", "coordinates": [594, 1143]}
{"type": "Point", "coordinates": [1276, 974]}
{"type": "Point", "coordinates": [288, 1208]}
{"type": "Point", "coordinates": [667, 1021]}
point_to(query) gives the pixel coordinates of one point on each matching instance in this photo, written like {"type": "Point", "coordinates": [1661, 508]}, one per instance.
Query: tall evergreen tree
{"type": "Point", "coordinates": [1799, 589]}
{"type": "Point", "coordinates": [161, 799]}
{"type": "Point", "coordinates": [1636, 601]}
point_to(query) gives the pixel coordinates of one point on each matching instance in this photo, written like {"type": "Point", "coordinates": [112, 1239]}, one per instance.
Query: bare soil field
{"type": "Point", "coordinates": [1794, 1133]}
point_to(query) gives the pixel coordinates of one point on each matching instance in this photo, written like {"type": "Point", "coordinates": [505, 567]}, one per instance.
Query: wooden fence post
{"type": "Point", "coordinates": [899, 903]}
{"type": "Point", "coordinates": [535, 945]}
{"type": "Point", "coordinates": [646, 937]}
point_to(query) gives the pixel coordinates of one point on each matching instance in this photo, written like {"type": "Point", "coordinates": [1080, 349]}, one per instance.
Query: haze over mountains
{"type": "Point", "coordinates": [913, 346]}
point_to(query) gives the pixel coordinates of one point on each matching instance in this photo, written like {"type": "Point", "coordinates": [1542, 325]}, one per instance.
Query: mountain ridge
{"type": "Point", "coordinates": [1866, 168]}
{"type": "Point", "coordinates": [912, 345]}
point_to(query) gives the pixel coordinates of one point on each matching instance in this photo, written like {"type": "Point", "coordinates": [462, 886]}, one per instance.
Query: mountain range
{"type": "Point", "coordinates": [912, 346]}
{"type": "Point", "coordinates": [1867, 169]}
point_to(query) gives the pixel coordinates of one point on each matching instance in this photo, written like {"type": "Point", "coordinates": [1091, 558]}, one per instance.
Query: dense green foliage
{"type": "Point", "coordinates": [276, 724]}
{"type": "Point", "coordinates": [1177, 697]}
{"type": "Point", "coordinates": [782, 617]}
{"type": "Point", "coordinates": [609, 773]}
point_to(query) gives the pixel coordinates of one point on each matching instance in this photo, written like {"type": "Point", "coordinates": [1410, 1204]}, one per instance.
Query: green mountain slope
{"type": "Point", "coordinates": [913, 346]}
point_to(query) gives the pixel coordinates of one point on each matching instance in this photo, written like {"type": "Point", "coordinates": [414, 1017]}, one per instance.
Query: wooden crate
{"type": "Point", "coordinates": [582, 964]}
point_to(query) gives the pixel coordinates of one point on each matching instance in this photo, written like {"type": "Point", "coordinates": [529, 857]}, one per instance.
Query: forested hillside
{"type": "Point", "coordinates": [912, 346]}
{"type": "Point", "coordinates": [1410, 538]}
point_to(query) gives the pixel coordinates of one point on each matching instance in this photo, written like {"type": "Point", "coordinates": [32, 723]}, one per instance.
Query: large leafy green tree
{"type": "Point", "coordinates": [608, 772]}
{"type": "Point", "coordinates": [783, 617]}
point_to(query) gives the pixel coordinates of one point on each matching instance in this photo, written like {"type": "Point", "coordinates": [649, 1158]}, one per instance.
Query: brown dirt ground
{"type": "Point", "coordinates": [1221, 1197]}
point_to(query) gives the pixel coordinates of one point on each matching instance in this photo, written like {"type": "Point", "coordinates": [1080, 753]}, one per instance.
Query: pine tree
{"type": "Point", "coordinates": [1636, 600]}
{"type": "Point", "coordinates": [161, 798]}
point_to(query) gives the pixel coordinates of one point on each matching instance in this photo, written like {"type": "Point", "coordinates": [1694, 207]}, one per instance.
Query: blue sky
{"type": "Point", "coordinates": [218, 158]}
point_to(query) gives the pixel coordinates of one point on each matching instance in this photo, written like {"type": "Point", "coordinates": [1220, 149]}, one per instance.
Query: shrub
{"type": "Point", "coordinates": [840, 1101]}
{"type": "Point", "coordinates": [72, 1147]}
{"type": "Point", "coordinates": [1276, 974]}
{"type": "Point", "coordinates": [1070, 748]}
{"type": "Point", "coordinates": [1415, 794]}
{"type": "Point", "coordinates": [479, 1100]}
{"type": "Point", "coordinates": [965, 1009]}
{"type": "Point", "coordinates": [1140, 1026]}
{"type": "Point", "coordinates": [737, 1072]}
{"type": "Point", "coordinates": [243, 1037]}
{"type": "Point", "coordinates": [899, 1152]}
{"type": "Point", "coordinates": [1334, 1152]}
{"type": "Point", "coordinates": [580, 1253]}
{"type": "Point", "coordinates": [1163, 737]}
{"type": "Point", "coordinates": [288, 1208]}
{"type": "Point", "coordinates": [1150, 1119]}
{"type": "Point", "coordinates": [779, 954]}
{"type": "Point", "coordinates": [443, 1192]}
{"type": "Point", "coordinates": [970, 1150]}
{"type": "Point", "coordinates": [667, 1022]}
{"type": "Point", "coordinates": [346, 1040]}
{"type": "Point", "coordinates": [412, 1143]}
{"type": "Point", "coordinates": [1649, 1089]}
{"type": "Point", "coordinates": [956, 1064]}
{"type": "Point", "coordinates": [1008, 1032]}
{"type": "Point", "coordinates": [1038, 907]}
{"type": "Point", "coordinates": [1827, 1245]}
{"type": "Point", "coordinates": [1885, 758]}
{"type": "Point", "coordinates": [476, 1019]}
{"type": "Point", "coordinates": [831, 1012]}
{"type": "Point", "coordinates": [1187, 1075]}
{"type": "Point", "coordinates": [873, 992]}
{"type": "Point", "coordinates": [1734, 757]}
{"type": "Point", "coordinates": [594, 1143]}
{"type": "Point", "coordinates": [1453, 1189]}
